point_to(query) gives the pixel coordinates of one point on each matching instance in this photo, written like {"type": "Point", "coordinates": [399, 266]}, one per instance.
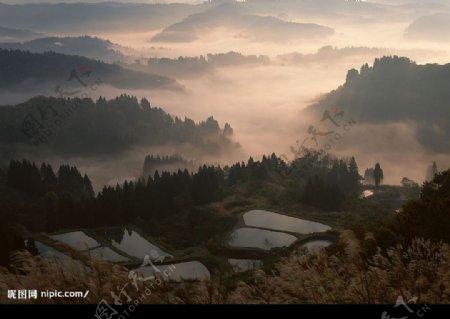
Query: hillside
{"type": "Point", "coordinates": [243, 23]}
{"type": "Point", "coordinates": [89, 47]}
{"type": "Point", "coordinates": [397, 90]}
{"type": "Point", "coordinates": [87, 127]}
{"type": "Point", "coordinates": [21, 70]}
{"type": "Point", "coordinates": [434, 27]}
{"type": "Point", "coordinates": [8, 34]}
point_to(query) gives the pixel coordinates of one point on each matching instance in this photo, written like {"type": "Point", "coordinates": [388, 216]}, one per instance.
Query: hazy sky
{"type": "Point", "coordinates": [92, 1]}
{"type": "Point", "coordinates": [194, 1]}
{"type": "Point", "coordinates": [197, 1]}
{"type": "Point", "coordinates": [263, 103]}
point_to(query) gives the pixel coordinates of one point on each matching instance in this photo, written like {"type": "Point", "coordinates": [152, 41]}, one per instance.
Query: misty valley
{"type": "Point", "coordinates": [225, 152]}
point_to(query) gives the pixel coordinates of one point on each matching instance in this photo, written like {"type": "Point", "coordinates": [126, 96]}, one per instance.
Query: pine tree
{"type": "Point", "coordinates": [354, 173]}
{"type": "Point", "coordinates": [431, 172]}
{"type": "Point", "coordinates": [145, 104]}
{"type": "Point", "coordinates": [48, 177]}
{"type": "Point", "coordinates": [378, 174]}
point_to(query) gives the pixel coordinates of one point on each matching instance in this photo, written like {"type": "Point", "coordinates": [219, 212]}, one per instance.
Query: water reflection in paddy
{"type": "Point", "coordinates": [52, 254]}
{"type": "Point", "coordinates": [260, 238]}
{"type": "Point", "coordinates": [135, 245]}
{"type": "Point", "coordinates": [106, 253]}
{"type": "Point", "coordinates": [265, 219]}
{"type": "Point", "coordinates": [77, 240]}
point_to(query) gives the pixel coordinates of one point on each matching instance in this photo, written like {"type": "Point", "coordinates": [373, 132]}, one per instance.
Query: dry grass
{"type": "Point", "coordinates": [420, 270]}
{"type": "Point", "coordinates": [101, 278]}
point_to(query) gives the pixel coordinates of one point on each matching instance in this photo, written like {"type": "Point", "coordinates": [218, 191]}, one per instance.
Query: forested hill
{"type": "Point", "coordinates": [20, 70]}
{"type": "Point", "coordinates": [87, 127]}
{"type": "Point", "coordinates": [395, 89]}
{"type": "Point", "coordinates": [90, 47]}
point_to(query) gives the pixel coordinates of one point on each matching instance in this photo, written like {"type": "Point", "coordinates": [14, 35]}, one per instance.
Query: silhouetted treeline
{"type": "Point", "coordinates": [166, 194]}
{"type": "Point", "coordinates": [27, 178]}
{"type": "Point", "coordinates": [255, 169]}
{"type": "Point", "coordinates": [45, 200]}
{"type": "Point", "coordinates": [82, 126]}
{"type": "Point", "coordinates": [167, 163]}
{"type": "Point", "coordinates": [185, 65]}
{"type": "Point", "coordinates": [325, 179]}
{"type": "Point", "coordinates": [37, 196]}
{"type": "Point", "coordinates": [329, 53]}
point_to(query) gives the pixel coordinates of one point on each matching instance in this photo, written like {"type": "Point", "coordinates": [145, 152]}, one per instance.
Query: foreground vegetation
{"type": "Point", "coordinates": [380, 255]}
{"type": "Point", "coordinates": [342, 274]}
{"type": "Point", "coordinates": [184, 209]}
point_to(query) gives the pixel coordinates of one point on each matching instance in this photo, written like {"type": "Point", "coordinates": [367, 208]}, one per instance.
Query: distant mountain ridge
{"type": "Point", "coordinates": [21, 70]}
{"type": "Point", "coordinates": [90, 47]}
{"type": "Point", "coordinates": [236, 17]}
{"type": "Point", "coordinates": [435, 27]}
{"type": "Point", "coordinates": [9, 34]}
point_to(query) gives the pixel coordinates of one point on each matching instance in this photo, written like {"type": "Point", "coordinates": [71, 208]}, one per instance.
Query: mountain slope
{"type": "Point", "coordinates": [90, 47]}
{"type": "Point", "coordinates": [244, 24]}
{"type": "Point", "coordinates": [24, 70]}
{"type": "Point", "coordinates": [435, 27]}
{"type": "Point", "coordinates": [397, 90]}
{"type": "Point", "coordinates": [9, 34]}
{"type": "Point", "coordinates": [86, 127]}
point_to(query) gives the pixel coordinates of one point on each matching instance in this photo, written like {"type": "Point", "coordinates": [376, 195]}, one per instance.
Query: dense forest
{"type": "Point", "coordinates": [83, 126]}
{"type": "Point", "coordinates": [20, 70]}
{"type": "Point", "coordinates": [395, 89]}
